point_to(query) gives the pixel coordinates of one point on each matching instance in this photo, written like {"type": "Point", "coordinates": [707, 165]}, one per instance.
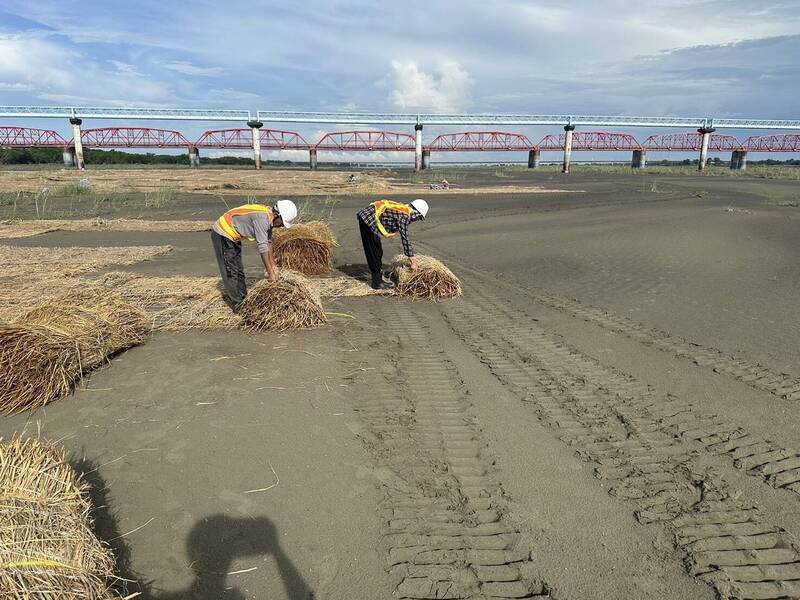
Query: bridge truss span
{"type": "Point", "coordinates": [133, 137]}
{"type": "Point", "coordinates": [690, 141]}
{"type": "Point", "coordinates": [26, 137]}
{"type": "Point", "coordinates": [242, 139]}
{"type": "Point", "coordinates": [480, 141]}
{"type": "Point", "coordinates": [586, 141]}
{"type": "Point", "coordinates": [365, 141]}
{"type": "Point", "coordinates": [789, 142]}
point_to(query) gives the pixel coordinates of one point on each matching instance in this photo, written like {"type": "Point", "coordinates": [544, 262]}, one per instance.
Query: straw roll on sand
{"type": "Point", "coordinates": [48, 549]}
{"type": "Point", "coordinates": [305, 247]}
{"type": "Point", "coordinates": [431, 281]}
{"type": "Point", "coordinates": [289, 303]}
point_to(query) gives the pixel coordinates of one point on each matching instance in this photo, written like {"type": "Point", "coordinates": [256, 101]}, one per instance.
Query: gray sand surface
{"type": "Point", "coordinates": [371, 437]}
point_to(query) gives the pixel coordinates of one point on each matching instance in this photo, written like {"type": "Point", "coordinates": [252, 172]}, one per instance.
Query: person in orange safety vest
{"type": "Point", "coordinates": [254, 223]}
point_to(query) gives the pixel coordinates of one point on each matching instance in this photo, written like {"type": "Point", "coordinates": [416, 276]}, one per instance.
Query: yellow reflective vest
{"type": "Point", "coordinates": [226, 220]}
{"type": "Point", "coordinates": [383, 205]}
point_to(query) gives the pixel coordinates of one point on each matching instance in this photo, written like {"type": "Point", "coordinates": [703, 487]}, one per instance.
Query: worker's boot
{"type": "Point", "coordinates": [378, 283]}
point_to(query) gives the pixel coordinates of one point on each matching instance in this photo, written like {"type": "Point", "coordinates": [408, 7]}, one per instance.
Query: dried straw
{"type": "Point", "coordinates": [431, 281]}
{"type": "Point", "coordinates": [22, 261]}
{"type": "Point", "coordinates": [289, 303]}
{"type": "Point", "coordinates": [36, 366]}
{"type": "Point", "coordinates": [175, 303]}
{"type": "Point", "coordinates": [27, 228]}
{"type": "Point", "coordinates": [47, 546]}
{"type": "Point", "coordinates": [43, 353]}
{"type": "Point", "coordinates": [305, 247]}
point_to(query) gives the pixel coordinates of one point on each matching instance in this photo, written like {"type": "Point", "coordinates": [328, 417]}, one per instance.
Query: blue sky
{"type": "Point", "coordinates": [734, 58]}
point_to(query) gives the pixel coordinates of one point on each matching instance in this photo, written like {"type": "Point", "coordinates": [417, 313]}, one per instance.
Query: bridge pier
{"type": "Point", "coordinates": [426, 159]}
{"type": "Point", "coordinates": [418, 147]}
{"type": "Point", "coordinates": [739, 160]}
{"type": "Point", "coordinates": [254, 127]}
{"type": "Point", "coordinates": [312, 159]}
{"type": "Point", "coordinates": [69, 157]}
{"type": "Point", "coordinates": [639, 159]}
{"type": "Point", "coordinates": [706, 131]}
{"type": "Point", "coordinates": [534, 156]}
{"type": "Point", "coordinates": [194, 157]}
{"type": "Point", "coordinates": [568, 147]}
{"type": "Point", "coordinates": [76, 139]}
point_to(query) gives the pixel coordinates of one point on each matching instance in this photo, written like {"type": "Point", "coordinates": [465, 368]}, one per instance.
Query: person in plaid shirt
{"type": "Point", "coordinates": [386, 218]}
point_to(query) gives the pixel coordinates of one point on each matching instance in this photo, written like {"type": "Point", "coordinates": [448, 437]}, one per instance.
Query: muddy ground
{"type": "Point", "coordinates": [609, 412]}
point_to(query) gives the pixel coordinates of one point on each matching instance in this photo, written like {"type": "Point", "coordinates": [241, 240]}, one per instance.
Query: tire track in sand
{"type": "Point", "coordinates": [650, 449]}
{"type": "Point", "coordinates": [445, 529]}
{"type": "Point", "coordinates": [783, 385]}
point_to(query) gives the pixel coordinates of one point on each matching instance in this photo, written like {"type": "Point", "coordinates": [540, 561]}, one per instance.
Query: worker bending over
{"type": "Point", "coordinates": [252, 222]}
{"type": "Point", "coordinates": [386, 218]}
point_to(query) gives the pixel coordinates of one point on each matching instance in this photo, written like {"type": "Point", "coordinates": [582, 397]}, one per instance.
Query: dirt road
{"type": "Point", "coordinates": [609, 412]}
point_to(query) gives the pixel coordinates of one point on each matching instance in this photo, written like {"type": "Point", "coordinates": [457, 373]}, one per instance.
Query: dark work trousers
{"type": "Point", "coordinates": [373, 249]}
{"type": "Point", "coordinates": [229, 259]}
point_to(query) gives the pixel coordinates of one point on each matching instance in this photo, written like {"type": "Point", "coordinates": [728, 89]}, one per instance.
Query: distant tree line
{"type": "Point", "coordinates": [39, 156]}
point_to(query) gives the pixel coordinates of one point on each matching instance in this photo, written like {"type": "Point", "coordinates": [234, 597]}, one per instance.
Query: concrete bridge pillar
{"type": "Point", "coordinates": [706, 131]}
{"type": "Point", "coordinates": [312, 159]}
{"type": "Point", "coordinates": [254, 127]}
{"type": "Point", "coordinates": [426, 159]}
{"type": "Point", "coordinates": [738, 160]}
{"type": "Point", "coordinates": [69, 157]}
{"type": "Point", "coordinates": [568, 147]}
{"type": "Point", "coordinates": [534, 157]}
{"type": "Point", "coordinates": [194, 157]}
{"type": "Point", "coordinates": [742, 164]}
{"type": "Point", "coordinates": [76, 137]}
{"type": "Point", "coordinates": [418, 147]}
{"type": "Point", "coordinates": [639, 159]}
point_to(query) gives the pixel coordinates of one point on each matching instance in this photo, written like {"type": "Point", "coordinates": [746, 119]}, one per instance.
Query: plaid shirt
{"type": "Point", "coordinates": [393, 221]}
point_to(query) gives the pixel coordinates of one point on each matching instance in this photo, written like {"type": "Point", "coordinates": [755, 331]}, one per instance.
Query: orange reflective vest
{"type": "Point", "coordinates": [226, 220]}
{"type": "Point", "coordinates": [383, 205]}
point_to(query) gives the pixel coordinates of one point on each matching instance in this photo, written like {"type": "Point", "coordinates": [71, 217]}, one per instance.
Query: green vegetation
{"type": "Point", "coordinates": [312, 209]}
{"type": "Point", "coordinates": [164, 197]}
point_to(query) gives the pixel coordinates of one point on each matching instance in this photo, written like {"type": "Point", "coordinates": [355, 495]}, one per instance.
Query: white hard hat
{"type": "Point", "coordinates": [287, 211]}
{"type": "Point", "coordinates": [421, 206]}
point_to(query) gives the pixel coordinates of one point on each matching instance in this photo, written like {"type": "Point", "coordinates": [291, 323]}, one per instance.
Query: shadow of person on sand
{"type": "Point", "coordinates": [211, 546]}
{"type": "Point", "coordinates": [216, 541]}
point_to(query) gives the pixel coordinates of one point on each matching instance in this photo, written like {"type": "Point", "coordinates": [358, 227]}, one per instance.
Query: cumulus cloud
{"type": "Point", "coordinates": [32, 60]}
{"type": "Point", "coordinates": [54, 71]}
{"type": "Point", "coordinates": [444, 90]}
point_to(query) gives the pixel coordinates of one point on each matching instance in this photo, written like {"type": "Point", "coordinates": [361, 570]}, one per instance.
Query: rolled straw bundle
{"type": "Point", "coordinates": [431, 281]}
{"type": "Point", "coordinates": [101, 323]}
{"type": "Point", "coordinates": [44, 352]}
{"type": "Point", "coordinates": [305, 247]}
{"type": "Point", "coordinates": [47, 546]}
{"type": "Point", "coordinates": [36, 366]}
{"type": "Point", "coordinates": [288, 303]}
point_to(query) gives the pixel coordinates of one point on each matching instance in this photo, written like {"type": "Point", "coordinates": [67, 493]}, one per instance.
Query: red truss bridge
{"type": "Point", "coordinates": [242, 139]}
{"type": "Point", "coordinates": [480, 141]}
{"type": "Point", "coordinates": [789, 142]}
{"type": "Point", "coordinates": [690, 141]}
{"type": "Point", "coordinates": [585, 141]}
{"type": "Point", "coordinates": [366, 141]}
{"type": "Point", "coordinates": [133, 137]}
{"type": "Point", "coordinates": [26, 137]}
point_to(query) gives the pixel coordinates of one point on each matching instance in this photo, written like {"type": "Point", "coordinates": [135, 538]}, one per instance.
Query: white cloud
{"type": "Point", "coordinates": [15, 87]}
{"type": "Point", "coordinates": [35, 62]}
{"type": "Point", "coordinates": [446, 90]}
{"type": "Point", "coordinates": [32, 61]}
{"type": "Point", "coordinates": [187, 68]}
